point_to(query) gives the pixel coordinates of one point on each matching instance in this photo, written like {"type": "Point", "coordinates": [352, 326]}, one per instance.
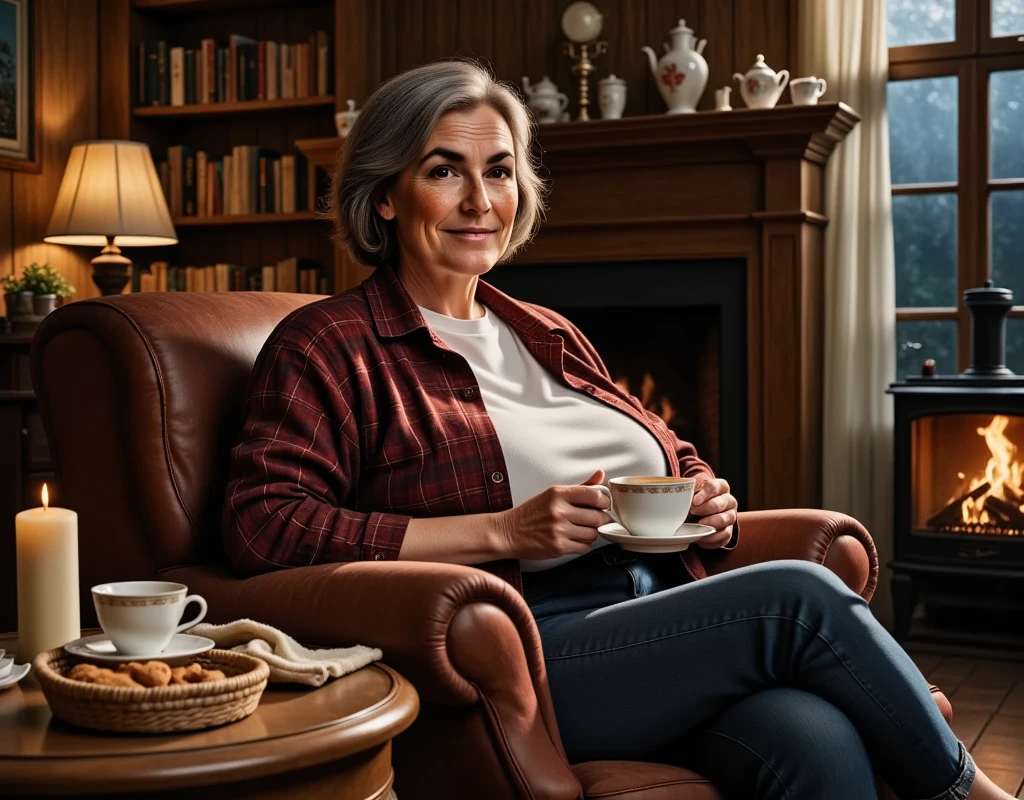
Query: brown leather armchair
{"type": "Point", "coordinates": [141, 398]}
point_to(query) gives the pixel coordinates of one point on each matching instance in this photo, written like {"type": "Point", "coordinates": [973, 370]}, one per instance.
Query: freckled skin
{"type": "Point", "coordinates": [436, 199]}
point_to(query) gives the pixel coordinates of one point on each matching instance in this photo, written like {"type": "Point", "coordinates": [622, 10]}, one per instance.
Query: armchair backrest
{"type": "Point", "coordinates": [141, 398]}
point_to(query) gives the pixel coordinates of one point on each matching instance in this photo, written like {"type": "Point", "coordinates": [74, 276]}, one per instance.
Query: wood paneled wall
{"type": "Point", "coordinates": [68, 91]}
{"type": "Point", "coordinates": [523, 37]}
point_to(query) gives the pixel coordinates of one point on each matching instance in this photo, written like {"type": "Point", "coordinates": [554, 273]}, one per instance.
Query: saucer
{"type": "Point", "coordinates": [99, 648]}
{"type": "Point", "coordinates": [686, 533]}
{"type": "Point", "coordinates": [6, 665]}
{"type": "Point", "coordinates": [17, 672]}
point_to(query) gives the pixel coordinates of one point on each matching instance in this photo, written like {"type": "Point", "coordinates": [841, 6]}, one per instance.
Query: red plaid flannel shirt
{"type": "Point", "coordinates": [359, 418]}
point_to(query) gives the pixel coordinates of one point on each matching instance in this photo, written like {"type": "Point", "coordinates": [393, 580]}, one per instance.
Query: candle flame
{"type": "Point", "coordinates": [46, 498]}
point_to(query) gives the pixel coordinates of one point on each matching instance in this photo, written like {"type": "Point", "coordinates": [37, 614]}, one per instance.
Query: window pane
{"type": "Point", "coordinates": [918, 341]}
{"type": "Point", "coordinates": [924, 230]}
{"type": "Point", "coordinates": [1015, 345]}
{"type": "Point", "coordinates": [1008, 242]}
{"type": "Point", "coordinates": [922, 130]}
{"type": "Point", "coordinates": [921, 21]}
{"type": "Point", "coordinates": [1006, 104]}
{"type": "Point", "coordinates": [1007, 17]}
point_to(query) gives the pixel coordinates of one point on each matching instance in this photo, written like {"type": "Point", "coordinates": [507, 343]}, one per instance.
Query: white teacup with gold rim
{"type": "Point", "coordinates": [649, 505]}
{"type": "Point", "coordinates": [140, 617]}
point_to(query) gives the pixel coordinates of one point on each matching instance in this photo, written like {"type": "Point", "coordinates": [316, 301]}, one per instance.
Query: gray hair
{"type": "Point", "coordinates": [390, 133]}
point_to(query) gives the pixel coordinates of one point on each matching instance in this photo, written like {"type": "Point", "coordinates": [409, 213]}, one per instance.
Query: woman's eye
{"type": "Point", "coordinates": [441, 172]}
{"type": "Point", "coordinates": [502, 172]}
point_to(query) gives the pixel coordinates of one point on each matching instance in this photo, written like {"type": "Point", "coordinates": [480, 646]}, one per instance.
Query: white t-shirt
{"type": "Point", "coordinates": [550, 434]}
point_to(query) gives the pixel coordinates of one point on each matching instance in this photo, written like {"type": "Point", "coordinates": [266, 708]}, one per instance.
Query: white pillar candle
{"type": "Point", "coordinates": [47, 547]}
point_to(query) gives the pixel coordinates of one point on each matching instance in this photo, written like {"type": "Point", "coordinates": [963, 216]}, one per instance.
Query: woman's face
{"type": "Point", "coordinates": [455, 204]}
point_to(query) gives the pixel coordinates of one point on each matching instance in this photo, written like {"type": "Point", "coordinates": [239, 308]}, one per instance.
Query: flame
{"type": "Point", "coordinates": [649, 399]}
{"type": "Point", "coordinates": [46, 498]}
{"type": "Point", "coordinates": [1003, 473]}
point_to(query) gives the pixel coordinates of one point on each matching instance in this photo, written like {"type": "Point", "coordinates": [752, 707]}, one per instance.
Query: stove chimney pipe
{"type": "Point", "coordinates": [989, 308]}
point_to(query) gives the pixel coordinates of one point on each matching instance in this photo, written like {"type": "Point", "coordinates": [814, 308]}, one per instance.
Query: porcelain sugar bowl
{"type": "Point", "coordinates": [544, 99]}
{"type": "Point", "coordinates": [682, 73]}
{"type": "Point", "coordinates": [344, 120]}
{"type": "Point", "coordinates": [611, 97]}
{"type": "Point", "coordinates": [762, 86]}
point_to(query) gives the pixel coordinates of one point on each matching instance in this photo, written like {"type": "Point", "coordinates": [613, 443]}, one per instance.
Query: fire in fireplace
{"type": "Point", "coordinates": [987, 498]}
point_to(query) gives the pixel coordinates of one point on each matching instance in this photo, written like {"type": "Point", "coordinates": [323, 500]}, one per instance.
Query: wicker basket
{"type": "Point", "coordinates": [154, 710]}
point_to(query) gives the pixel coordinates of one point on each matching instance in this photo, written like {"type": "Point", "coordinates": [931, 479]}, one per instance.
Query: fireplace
{"type": "Point", "coordinates": [672, 333]}
{"type": "Point", "coordinates": [959, 492]}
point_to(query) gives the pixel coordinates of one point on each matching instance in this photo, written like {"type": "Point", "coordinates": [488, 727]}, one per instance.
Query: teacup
{"type": "Point", "coordinates": [806, 91]}
{"type": "Point", "coordinates": [649, 505]}
{"type": "Point", "coordinates": [141, 617]}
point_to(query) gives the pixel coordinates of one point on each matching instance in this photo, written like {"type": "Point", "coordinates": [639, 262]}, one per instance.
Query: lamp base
{"type": "Point", "coordinates": [110, 270]}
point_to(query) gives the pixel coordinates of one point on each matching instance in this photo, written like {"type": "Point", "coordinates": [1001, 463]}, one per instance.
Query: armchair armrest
{"type": "Point", "coordinates": [825, 537]}
{"type": "Point", "coordinates": [462, 636]}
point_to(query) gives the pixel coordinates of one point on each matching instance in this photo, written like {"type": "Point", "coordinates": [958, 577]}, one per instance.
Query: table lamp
{"type": "Point", "coordinates": [110, 197]}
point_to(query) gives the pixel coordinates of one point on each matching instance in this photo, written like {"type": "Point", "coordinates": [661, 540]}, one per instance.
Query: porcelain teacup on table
{"type": "Point", "coordinates": [141, 617]}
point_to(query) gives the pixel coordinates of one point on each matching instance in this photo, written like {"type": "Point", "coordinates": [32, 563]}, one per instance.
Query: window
{"type": "Point", "coordinates": [956, 149]}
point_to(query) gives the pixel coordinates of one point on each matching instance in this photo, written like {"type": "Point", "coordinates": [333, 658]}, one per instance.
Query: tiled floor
{"type": "Point", "coordinates": [988, 711]}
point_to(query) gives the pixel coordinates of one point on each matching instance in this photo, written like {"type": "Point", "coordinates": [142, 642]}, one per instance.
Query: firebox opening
{"type": "Point", "coordinates": [672, 367]}
{"type": "Point", "coordinates": [967, 474]}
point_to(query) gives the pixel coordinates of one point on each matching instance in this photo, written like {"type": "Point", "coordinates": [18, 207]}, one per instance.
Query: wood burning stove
{"type": "Point", "coordinates": [959, 467]}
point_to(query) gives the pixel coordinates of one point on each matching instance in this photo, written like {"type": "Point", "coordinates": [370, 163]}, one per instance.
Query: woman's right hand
{"type": "Point", "coordinates": [556, 522]}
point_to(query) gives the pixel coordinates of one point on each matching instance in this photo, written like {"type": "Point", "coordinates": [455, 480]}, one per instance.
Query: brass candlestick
{"type": "Point", "coordinates": [583, 67]}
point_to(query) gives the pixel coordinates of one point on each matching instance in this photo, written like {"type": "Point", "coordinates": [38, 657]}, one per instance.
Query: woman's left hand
{"type": "Point", "coordinates": [713, 504]}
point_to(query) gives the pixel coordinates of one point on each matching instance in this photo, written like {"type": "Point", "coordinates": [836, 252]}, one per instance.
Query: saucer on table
{"type": "Point", "coordinates": [687, 533]}
{"type": "Point", "coordinates": [98, 648]}
{"type": "Point", "coordinates": [15, 673]}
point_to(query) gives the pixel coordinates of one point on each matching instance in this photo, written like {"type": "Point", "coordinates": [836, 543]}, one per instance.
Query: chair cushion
{"type": "Point", "coordinates": [636, 780]}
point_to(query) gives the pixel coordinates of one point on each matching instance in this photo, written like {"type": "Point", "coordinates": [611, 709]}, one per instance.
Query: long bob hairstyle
{"type": "Point", "coordinates": [390, 133]}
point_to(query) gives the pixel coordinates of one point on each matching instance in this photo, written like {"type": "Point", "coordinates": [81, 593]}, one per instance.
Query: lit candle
{"type": "Point", "coordinates": [47, 547]}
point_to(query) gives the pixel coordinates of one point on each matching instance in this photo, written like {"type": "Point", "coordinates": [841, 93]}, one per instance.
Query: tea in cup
{"type": "Point", "coordinates": [141, 617]}
{"type": "Point", "coordinates": [648, 505]}
{"type": "Point", "coordinates": [806, 91]}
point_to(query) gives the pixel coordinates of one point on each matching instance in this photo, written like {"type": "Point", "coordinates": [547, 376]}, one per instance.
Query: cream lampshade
{"type": "Point", "coordinates": [110, 197]}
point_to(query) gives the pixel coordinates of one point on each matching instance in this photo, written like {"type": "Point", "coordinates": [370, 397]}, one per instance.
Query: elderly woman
{"type": "Point", "coordinates": [426, 416]}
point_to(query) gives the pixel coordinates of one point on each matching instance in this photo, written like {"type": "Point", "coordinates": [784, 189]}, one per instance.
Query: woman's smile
{"type": "Point", "coordinates": [471, 235]}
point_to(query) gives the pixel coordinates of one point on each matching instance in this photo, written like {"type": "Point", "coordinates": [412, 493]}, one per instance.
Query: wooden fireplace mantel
{"type": "Point", "coordinates": [730, 184]}
{"type": "Point", "coordinates": [723, 184]}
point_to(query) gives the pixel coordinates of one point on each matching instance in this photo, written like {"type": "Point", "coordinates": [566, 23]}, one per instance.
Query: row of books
{"type": "Point", "coordinates": [301, 275]}
{"type": "Point", "coordinates": [245, 69]}
{"type": "Point", "coordinates": [251, 180]}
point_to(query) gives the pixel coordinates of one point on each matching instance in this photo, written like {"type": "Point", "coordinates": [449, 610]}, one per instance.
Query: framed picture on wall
{"type": "Point", "coordinates": [18, 102]}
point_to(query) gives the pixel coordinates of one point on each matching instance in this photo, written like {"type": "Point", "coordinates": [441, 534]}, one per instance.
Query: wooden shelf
{"type": "Point", "coordinates": [246, 219]}
{"type": "Point", "coordinates": [319, 152]}
{"type": "Point", "coordinates": [245, 107]}
{"type": "Point", "coordinates": [192, 6]}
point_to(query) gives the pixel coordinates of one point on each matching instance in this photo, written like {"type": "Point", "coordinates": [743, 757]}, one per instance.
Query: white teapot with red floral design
{"type": "Point", "coordinates": [682, 73]}
{"type": "Point", "coordinates": [762, 86]}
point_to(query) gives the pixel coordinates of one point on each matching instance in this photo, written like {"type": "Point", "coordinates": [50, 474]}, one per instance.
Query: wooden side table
{"type": "Point", "coordinates": [334, 742]}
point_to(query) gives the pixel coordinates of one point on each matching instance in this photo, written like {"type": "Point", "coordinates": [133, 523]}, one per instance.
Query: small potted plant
{"type": "Point", "coordinates": [46, 285]}
{"type": "Point", "coordinates": [11, 286]}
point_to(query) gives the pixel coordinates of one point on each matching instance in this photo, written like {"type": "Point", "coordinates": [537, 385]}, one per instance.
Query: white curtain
{"type": "Point", "coordinates": [846, 43]}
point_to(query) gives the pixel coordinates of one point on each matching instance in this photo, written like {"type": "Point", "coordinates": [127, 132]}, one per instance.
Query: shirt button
{"type": "Point", "coordinates": [470, 393]}
{"type": "Point", "coordinates": [497, 477]}
{"type": "Point", "coordinates": [378, 557]}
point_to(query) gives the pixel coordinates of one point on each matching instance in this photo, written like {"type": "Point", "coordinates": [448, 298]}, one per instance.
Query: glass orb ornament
{"type": "Point", "coordinates": [582, 22]}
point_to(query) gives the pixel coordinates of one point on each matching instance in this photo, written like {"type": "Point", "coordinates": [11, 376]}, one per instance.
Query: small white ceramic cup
{"type": "Point", "coordinates": [806, 91]}
{"type": "Point", "coordinates": [611, 97]}
{"type": "Point", "coordinates": [140, 617]}
{"type": "Point", "coordinates": [722, 99]}
{"type": "Point", "coordinates": [649, 505]}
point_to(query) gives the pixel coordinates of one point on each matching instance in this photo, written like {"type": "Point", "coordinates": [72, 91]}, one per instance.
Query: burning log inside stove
{"type": "Point", "coordinates": [952, 514]}
{"type": "Point", "coordinates": [1005, 515]}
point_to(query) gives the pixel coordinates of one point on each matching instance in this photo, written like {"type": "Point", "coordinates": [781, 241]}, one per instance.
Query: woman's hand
{"type": "Point", "coordinates": [713, 504]}
{"type": "Point", "coordinates": [556, 522]}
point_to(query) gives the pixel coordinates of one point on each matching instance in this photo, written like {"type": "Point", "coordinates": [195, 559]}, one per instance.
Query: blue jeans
{"type": "Point", "coordinates": [774, 681]}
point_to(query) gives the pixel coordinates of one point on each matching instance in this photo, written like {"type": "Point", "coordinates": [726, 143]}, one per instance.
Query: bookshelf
{"type": "Point", "coordinates": [216, 128]}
